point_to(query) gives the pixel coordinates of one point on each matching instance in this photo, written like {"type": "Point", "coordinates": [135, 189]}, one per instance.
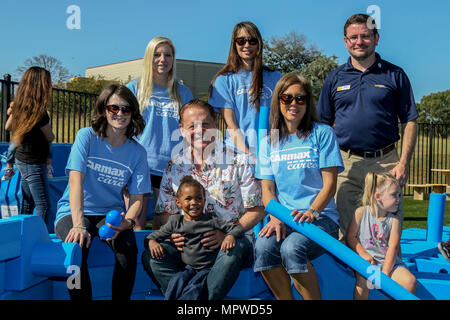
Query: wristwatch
{"type": "Point", "coordinates": [133, 223]}
{"type": "Point", "coordinates": [315, 213]}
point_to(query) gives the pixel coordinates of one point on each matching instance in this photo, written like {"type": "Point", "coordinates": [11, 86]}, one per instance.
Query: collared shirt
{"type": "Point", "coordinates": [365, 107]}
{"type": "Point", "coordinates": [231, 187]}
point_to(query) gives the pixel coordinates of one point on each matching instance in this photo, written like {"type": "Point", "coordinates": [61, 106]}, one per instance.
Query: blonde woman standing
{"type": "Point", "coordinates": [160, 98]}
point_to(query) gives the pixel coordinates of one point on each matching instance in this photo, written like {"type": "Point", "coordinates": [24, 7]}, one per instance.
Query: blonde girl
{"type": "Point", "coordinates": [375, 232]}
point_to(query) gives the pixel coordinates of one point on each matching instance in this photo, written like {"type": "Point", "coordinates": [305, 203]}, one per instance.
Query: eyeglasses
{"type": "Point", "coordinates": [242, 41]}
{"type": "Point", "coordinates": [364, 37]}
{"type": "Point", "coordinates": [288, 98]}
{"type": "Point", "coordinates": [114, 109]}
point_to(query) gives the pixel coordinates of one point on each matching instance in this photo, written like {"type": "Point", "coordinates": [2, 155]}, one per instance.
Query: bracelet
{"type": "Point", "coordinates": [84, 228]}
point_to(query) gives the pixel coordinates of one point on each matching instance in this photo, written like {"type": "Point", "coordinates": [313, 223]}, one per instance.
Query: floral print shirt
{"type": "Point", "coordinates": [231, 188]}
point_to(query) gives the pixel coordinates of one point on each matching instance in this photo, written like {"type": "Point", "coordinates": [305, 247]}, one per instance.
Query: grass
{"type": "Point", "coordinates": [416, 213]}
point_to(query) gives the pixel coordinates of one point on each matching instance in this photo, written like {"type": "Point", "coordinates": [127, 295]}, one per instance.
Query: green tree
{"type": "Point", "coordinates": [90, 84]}
{"type": "Point", "coordinates": [289, 53]}
{"type": "Point", "coordinates": [435, 107]}
{"type": "Point", "coordinates": [58, 72]}
{"type": "Point", "coordinates": [293, 53]}
{"type": "Point", "coordinates": [317, 71]}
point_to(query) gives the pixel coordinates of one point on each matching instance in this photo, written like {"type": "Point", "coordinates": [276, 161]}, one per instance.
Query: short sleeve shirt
{"type": "Point", "coordinates": [161, 132]}
{"type": "Point", "coordinates": [295, 166]}
{"type": "Point", "coordinates": [364, 108]}
{"type": "Point", "coordinates": [232, 91]}
{"type": "Point", "coordinates": [231, 187]}
{"type": "Point", "coordinates": [107, 170]}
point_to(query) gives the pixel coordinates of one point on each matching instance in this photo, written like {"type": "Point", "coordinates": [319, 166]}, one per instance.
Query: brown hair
{"type": "Point", "coordinates": [234, 62]}
{"type": "Point", "coordinates": [276, 119]}
{"type": "Point", "coordinates": [190, 181]}
{"type": "Point", "coordinates": [197, 103]}
{"type": "Point", "coordinates": [100, 123]}
{"type": "Point", "coordinates": [361, 18]}
{"type": "Point", "coordinates": [31, 101]}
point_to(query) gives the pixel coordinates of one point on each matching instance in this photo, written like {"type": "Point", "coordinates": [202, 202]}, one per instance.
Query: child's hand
{"type": "Point", "coordinates": [228, 243]}
{"type": "Point", "coordinates": [368, 258]}
{"type": "Point", "coordinates": [156, 250]}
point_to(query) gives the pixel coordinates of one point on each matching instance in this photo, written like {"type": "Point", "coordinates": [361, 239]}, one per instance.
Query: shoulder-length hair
{"type": "Point", "coordinates": [100, 123]}
{"type": "Point", "coordinates": [31, 101]}
{"type": "Point", "coordinates": [145, 85]}
{"type": "Point", "coordinates": [234, 62]}
{"type": "Point", "coordinates": [276, 119]}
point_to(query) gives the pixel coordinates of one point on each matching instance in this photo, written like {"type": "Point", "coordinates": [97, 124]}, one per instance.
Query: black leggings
{"type": "Point", "coordinates": [125, 252]}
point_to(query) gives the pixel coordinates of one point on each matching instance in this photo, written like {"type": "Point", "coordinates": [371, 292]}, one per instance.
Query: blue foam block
{"type": "Point", "coordinates": [2, 277]}
{"type": "Point", "coordinates": [247, 285]}
{"type": "Point", "coordinates": [10, 238]}
{"type": "Point", "coordinates": [433, 265]}
{"type": "Point", "coordinates": [54, 258]}
{"type": "Point", "coordinates": [431, 286]}
{"type": "Point", "coordinates": [39, 291]}
{"type": "Point", "coordinates": [18, 270]}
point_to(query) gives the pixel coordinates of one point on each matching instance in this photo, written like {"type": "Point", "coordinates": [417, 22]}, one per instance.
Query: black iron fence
{"type": "Point", "coordinates": [72, 110]}
{"type": "Point", "coordinates": [69, 110]}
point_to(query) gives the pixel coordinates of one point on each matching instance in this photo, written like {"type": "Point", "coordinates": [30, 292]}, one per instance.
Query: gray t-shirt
{"type": "Point", "coordinates": [374, 235]}
{"type": "Point", "coordinates": [194, 253]}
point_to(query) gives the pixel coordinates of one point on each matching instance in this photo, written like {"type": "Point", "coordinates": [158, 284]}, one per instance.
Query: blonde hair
{"type": "Point", "coordinates": [145, 84]}
{"type": "Point", "coordinates": [376, 182]}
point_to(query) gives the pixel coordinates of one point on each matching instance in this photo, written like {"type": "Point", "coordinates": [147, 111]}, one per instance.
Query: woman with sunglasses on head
{"type": "Point", "coordinates": [298, 164]}
{"type": "Point", "coordinates": [31, 135]}
{"type": "Point", "coordinates": [160, 98]}
{"type": "Point", "coordinates": [104, 158]}
{"type": "Point", "coordinates": [242, 86]}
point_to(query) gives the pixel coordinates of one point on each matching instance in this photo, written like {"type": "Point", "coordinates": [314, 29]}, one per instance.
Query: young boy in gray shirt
{"type": "Point", "coordinates": [190, 198]}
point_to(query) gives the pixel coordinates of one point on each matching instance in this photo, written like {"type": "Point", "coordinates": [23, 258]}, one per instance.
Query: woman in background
{"type": "Point", "coordinates": [31, 134]}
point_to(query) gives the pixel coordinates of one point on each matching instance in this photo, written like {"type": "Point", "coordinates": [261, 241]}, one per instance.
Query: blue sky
{"type": "Point", "coordinates": [414, 34]}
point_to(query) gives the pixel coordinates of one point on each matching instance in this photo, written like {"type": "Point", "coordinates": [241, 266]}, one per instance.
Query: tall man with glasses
{"type": "Point", "coordinates": [363, 100]}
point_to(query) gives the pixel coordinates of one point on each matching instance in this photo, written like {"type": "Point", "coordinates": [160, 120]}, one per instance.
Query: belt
{"type": "Point", "coordinates": [371, 154]}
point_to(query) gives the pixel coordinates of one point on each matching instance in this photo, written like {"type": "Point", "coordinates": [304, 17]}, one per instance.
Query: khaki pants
{"type": "Point", "coordinates": [350, 184]}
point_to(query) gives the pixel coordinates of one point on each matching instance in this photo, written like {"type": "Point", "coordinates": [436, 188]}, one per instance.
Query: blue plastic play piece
{"type": "Point", "coordinates": [435, 220]}
{"type": "Point", "coordinates": [114, 218]}
{"type": "Point", "coordinates": [105, 232]}
{"type": "Point", "coordinates": [341, 251]}
{"type": "Point", "coordinates": [54, 258]}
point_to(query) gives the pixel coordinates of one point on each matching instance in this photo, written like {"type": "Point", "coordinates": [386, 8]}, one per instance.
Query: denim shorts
{"type": "Point", "coordinates": [294, 251]}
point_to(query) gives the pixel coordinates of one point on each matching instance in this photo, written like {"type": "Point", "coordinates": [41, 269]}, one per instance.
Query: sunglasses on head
{"type": "Point", "coordinates": [287, 98]}
{"type": "Point", "coordinates": [114, 109]}
{"type": "Point", "coordinates": [252, 41]}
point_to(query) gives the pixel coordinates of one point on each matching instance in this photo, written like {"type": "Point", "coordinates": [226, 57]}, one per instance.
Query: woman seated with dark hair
{"type": "Point", "coordinates": [298, 165]}
{"type": "Point", "coordinates": [104, 158]}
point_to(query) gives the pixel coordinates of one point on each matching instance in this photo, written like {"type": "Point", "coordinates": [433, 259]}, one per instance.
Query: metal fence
{"type": "Point", "coordinates": [69, 110]}
{"type": "Point", "coordinates": [72, 110]}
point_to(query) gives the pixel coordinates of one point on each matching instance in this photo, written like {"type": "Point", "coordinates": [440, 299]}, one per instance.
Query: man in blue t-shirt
{"type": "Point", "coordinates": [363, 100]}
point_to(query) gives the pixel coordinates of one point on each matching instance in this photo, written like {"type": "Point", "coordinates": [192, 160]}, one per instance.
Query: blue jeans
{"type": "Point", "coordinates": [220, 279]}
{"type": "Point", "coordinates": [35, 190]}
{"type": "Point", "coordinates": [294, 251]}
{"type": "Point", "coordinates": [11, 153]}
